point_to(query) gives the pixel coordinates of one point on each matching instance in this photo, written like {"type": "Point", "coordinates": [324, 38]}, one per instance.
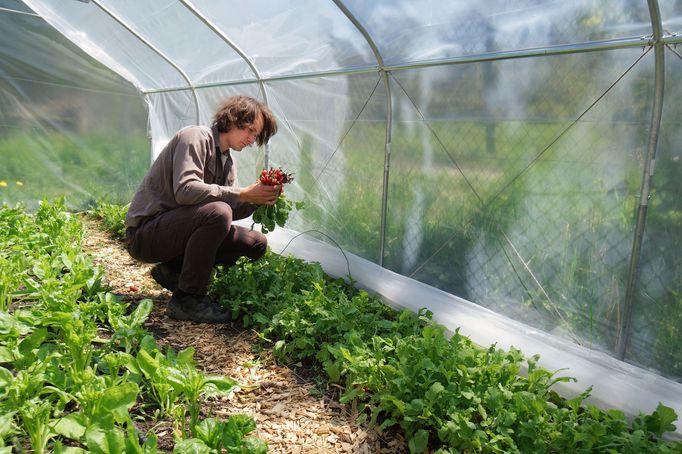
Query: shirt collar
{"type": "Point", "coordinates": [216, 141]}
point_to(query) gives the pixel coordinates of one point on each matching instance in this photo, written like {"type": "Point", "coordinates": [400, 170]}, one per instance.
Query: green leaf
{"type": "Point", "coordinates": [210, 432]}
{"type": "Point", "coordinates": [140, 314]}
{"type": "Point", "coordinates": [6, 424]}
{"type": "Point", "coordinates": [434, 391]}
{"type": "Point", "coordinates": [32, 341]}
{"type": "Point", "coordinates": [399, 404]}
{"type": "Point", "coordinates": [388, 422]}
{"type": "Point", "coordinates": [415, 407]}
{"type": "Point", "coordinates": [8, 324]}
{"type": "Point", "coordinates": [71, 426]}
{"type": "Point", "coordinates": [6, 355]}
{"type": "Point", "coordinates": [661, 420]}
{"type": "Point", "coordinates": [6, 378]}
{"type": "Point", "coordinates": [350, 394]}
{"type": "Point", "coordinates": [191, 446]}
{"type": "Point", "coordinates": [100, 441]}
{"type": "Point", "coordinates": [333, 370]}
{"type": "Point", "coordinates": [150, 445]}
{"type": "Point", "coordinates": [245, 424]}
{"type": "Point", "coordinates": [419, 441]}
{"type": "Point", "coordinates": [148, 365]}
{"type": "Point", "coordinates": [118, 399]}
{"type": "Point", "coordinates": [221, 383]}
{"type": "Point", "coordinates": [186, 357]}
{"type": "Point", "coordinates": [148, 343]}
{"type": "Point", "coordinates": [176, 378]}
{"type": "Point", "coordinates": [253, 445]}
{"type": "Point", "coordinates": [68, 450]}
{"type": "Point", "coordinates": [238, 426]}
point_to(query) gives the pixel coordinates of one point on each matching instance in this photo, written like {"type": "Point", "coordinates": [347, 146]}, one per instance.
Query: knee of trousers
{"type": "Point", "coordinates": [260, 246]}
{"type": "Point", "coordinates": [219, 213]}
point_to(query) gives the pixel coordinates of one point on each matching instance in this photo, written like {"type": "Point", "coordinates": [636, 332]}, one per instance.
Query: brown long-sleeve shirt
{"type": "Point", "coordinates": [184, 173]}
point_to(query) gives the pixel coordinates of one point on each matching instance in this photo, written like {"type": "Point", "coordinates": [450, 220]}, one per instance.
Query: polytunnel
{"type": "Point", "coordinates": [514, 167]}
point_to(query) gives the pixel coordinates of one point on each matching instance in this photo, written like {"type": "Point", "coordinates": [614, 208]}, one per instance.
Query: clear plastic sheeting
{"type": "Point", "coordinates": [515, 164]}
{"type": "Point", "coordinates": [535, 190]}
{"type": "Point", "coordinates": [68, 126]}
{"type": "Point", "coordinates": [428, 30]}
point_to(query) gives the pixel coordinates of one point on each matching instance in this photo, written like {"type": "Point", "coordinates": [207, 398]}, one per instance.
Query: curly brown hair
{"type": "Point", "coordinates": [241, 111]}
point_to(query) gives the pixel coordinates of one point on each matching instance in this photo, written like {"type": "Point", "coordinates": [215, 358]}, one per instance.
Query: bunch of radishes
{"type": "Point", "coordinates": [274, 177]}
{"type": "Point", "coordinates": [268, 216]}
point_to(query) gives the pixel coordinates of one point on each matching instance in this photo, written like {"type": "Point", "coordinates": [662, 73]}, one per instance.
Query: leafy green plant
{"type": "Point", "coordinates": [269, 216]}
{"type": "Point", "coordinates": [35, 418]}
{"type": "Point", "coordinates": [128, 329]}
{"type": "Point", "coordinates": [65, 385]}
{"type": "Point", "coordinates": [153, 365]}
{"type": "Point", "coordinates": [6, 429]}
{"type": "Point", "coordinates": [212, 436]}
{"type": "Point", "coordinates": [10, 279]}
{"type": "Point", "coordinates": [403, 371]}
{"type": "Point", "coordinates": [113, 216]}
{"type": "Point", "coordinates": [194, 385]}
{"type": "Point", "coordinates": [174, 378]}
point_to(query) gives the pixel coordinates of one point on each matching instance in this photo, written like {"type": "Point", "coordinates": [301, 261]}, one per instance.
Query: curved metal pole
{"type": "Point", "coordinates": [593, 46]}
{"type": "Point", "coordinates": [389, 121]}
{"type": "Point", "coordinates": [387, 165]}
{"type": "Point", "coordinates": [16, 11]}
{"type": "Point", "coordinates": [184, 75]}
{"type": "Point", "coordinates": [214, 28]}
{"type": "Point", "coordinates": [645, 193]}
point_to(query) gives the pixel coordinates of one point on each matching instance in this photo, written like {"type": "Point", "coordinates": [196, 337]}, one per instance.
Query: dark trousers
{"type": "Point", "coordinates": [192, 239]}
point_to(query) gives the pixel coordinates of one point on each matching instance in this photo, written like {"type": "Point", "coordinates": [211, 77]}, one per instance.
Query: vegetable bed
{"type": "Point", "coordinates": [291, 411]}
{"type": "Point", "coordinates": [79, 370]}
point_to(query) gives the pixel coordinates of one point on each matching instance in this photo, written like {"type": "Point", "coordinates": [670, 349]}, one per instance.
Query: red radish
{"type": "Point", "coordinates": [274, 177]}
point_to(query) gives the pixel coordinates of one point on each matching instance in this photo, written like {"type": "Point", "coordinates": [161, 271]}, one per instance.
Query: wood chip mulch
{"type": "Point", "coordinates": [292, 413]}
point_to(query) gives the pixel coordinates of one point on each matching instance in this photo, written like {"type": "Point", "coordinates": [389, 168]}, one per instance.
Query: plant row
{"type": "Point", "coordinates": [78, 370]}
{"type": "Point", "coordinates": [402, 370]}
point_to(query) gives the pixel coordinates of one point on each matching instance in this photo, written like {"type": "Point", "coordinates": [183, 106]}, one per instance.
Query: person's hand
{"type": "Point", "coordinates": [260, 194]}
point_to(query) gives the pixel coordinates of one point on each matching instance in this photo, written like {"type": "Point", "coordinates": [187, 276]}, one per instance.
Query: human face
{"type": "Point", "coordinates": [239, 138]}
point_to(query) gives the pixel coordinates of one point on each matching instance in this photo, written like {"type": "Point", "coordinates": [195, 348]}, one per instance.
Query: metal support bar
{"type": "Point", "coordinates": [656, 114]}
{"type": "Point", "coordinates": [214, 28]}
{"type": "Point", "coordinates": [310, 75]}
{"type": "Point", "coordinates": [389, 121]}
{"type": "Point", "coordinates": [142, 39]}
{"type": "Point", "coordinates": [16, 11]}
{"type": "Point", "coordinates": [672, 39]}
{"type": "Point", "coordinates": [387, 167]}
{"type": "Point", "coordinates": [492, 56]}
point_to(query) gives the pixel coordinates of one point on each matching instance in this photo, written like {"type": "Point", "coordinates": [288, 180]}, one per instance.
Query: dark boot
{"type": "Point", "coordinates": [166, 276]}
{"type": "Point", "coordinates": [196, 308]}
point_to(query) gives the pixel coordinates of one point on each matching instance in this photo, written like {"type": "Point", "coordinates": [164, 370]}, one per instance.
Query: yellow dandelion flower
{"type": "Point", "coordinates": [19, 183]}
{"type": "Point", "coordinates": [3, 184]}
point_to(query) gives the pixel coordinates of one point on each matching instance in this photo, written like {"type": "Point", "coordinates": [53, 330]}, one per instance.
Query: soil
{"type": "Point", "coordinates": [294, 412]}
